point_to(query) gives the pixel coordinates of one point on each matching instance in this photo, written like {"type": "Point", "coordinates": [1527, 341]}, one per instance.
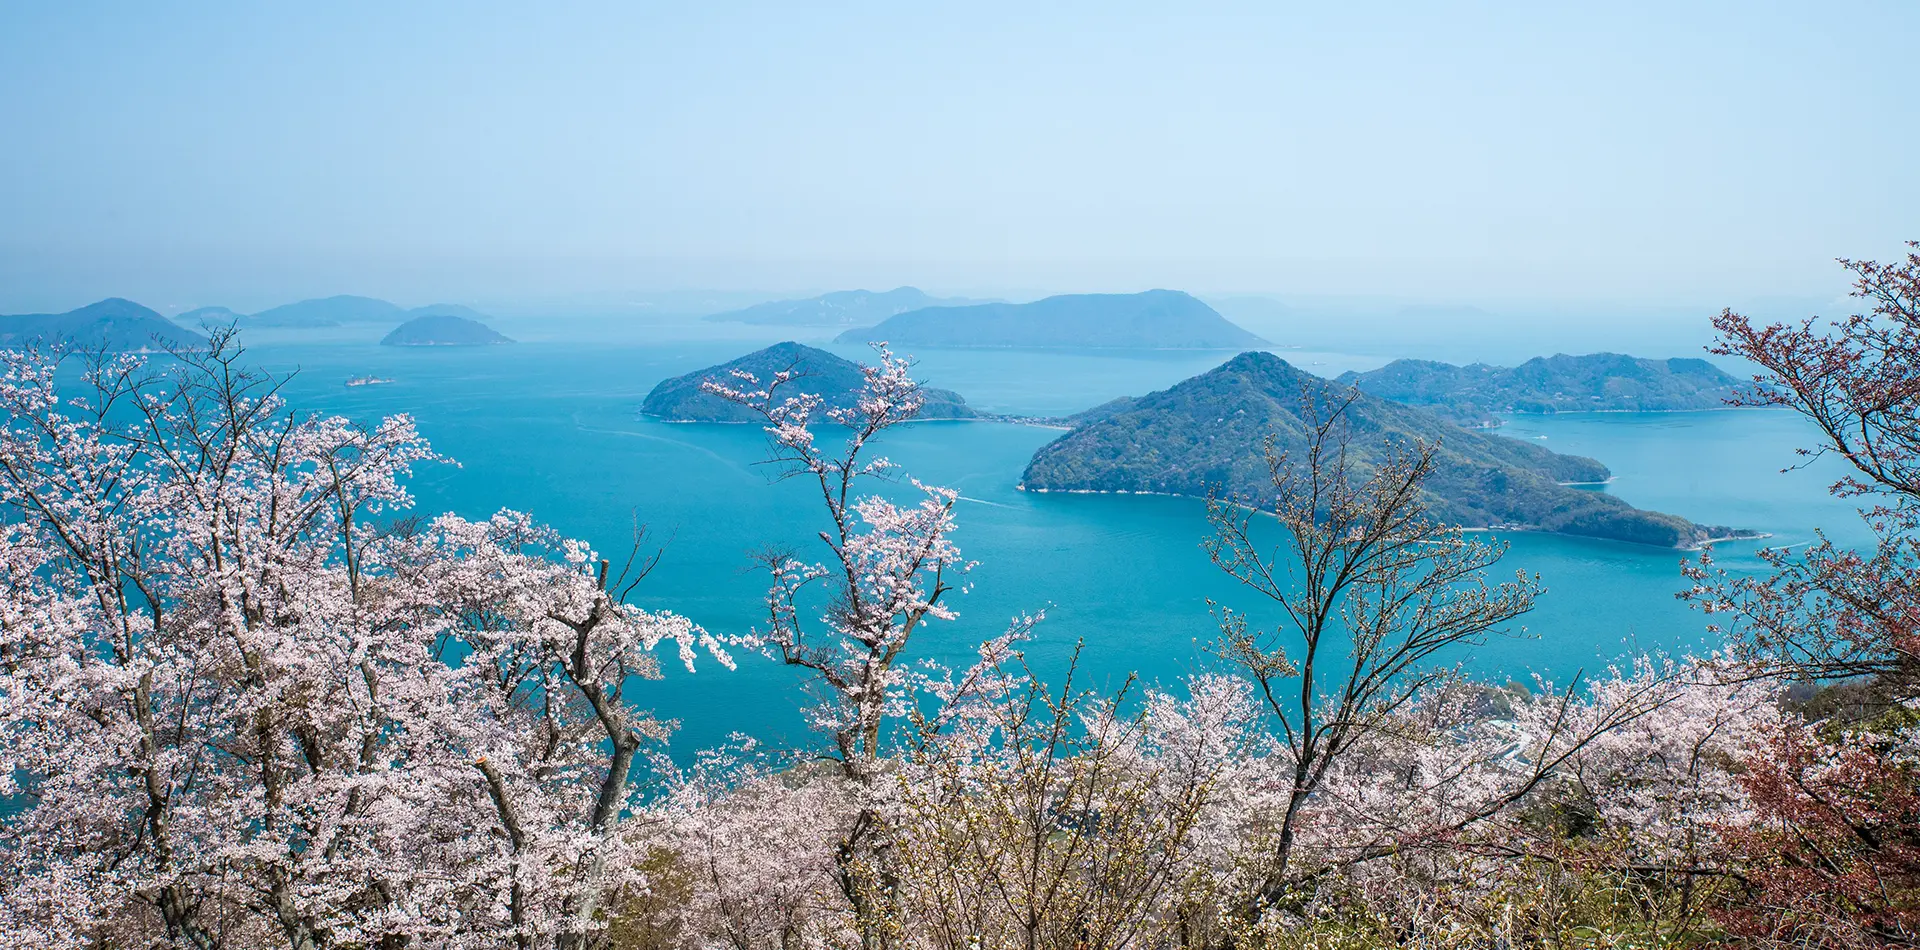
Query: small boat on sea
{"type": "Point", "coordinates": [367, 381]}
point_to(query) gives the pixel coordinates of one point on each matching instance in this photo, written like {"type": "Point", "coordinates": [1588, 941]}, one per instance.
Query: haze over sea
{"type": "Point", "coordinates": [551, 426]}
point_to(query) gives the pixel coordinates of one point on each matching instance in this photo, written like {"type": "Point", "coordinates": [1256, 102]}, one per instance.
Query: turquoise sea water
{"type": "Point", "coordinates": [551, 427]}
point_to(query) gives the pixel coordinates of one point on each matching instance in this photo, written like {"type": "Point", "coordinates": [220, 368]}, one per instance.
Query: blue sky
{"type": "Point", "coordinates": [1461, 152]}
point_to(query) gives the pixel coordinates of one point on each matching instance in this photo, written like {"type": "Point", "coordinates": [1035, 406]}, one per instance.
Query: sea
{"type": "Point", "coordinates": [550, 425]}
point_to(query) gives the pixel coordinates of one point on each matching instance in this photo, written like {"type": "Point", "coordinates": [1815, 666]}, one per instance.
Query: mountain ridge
{"type": "Point", "coordinates": [317, 312]}
{"type": "Point", "coordinates": [841, 308]}
{"type": "Point", "coordinates": [328, 312]}
{"type": "Point", "coordinates": [1612, 382]}
{"type": "Point", "coordinates": [208, 316]}
{"type": "Point", "coordinates": [1154, 319]}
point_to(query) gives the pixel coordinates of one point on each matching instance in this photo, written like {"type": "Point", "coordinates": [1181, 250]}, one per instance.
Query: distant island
{"type": "Point", "coordinates": [341, 310]}
{"type": "Point", "coordinates": [1156, 319]}
{"type": "Point", "coordinates": [1471, 395]}
{"type": "Point", "coordinates": [328, 312]}
{"type": "Point", "coordinates": [835, 380]}
{"type": "Point", "coordinates": [209, 316]}
{"type": "Point", "coordinates": [442, 330]}
{"type": "Point", "coordinates": [844, 308]}
{"type": "Point", "coordinates": [113, 324]}
{"type": "Point", "coordinates": [1205, 434]}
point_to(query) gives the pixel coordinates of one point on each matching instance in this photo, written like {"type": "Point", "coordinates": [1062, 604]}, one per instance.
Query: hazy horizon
{"type": "Point", "coordinates": [1527, 162]}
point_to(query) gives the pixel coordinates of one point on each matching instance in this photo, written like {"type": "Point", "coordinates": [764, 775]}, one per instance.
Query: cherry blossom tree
{"type": "Point", "coordinates": [552, 653]}
{"type": "Point", "coordinates": [758, 838]}
{"type": "Point", "coordinates": [244, 701]}
{"type": "Point", "coordinates": [1826, 611]}
{"type": "Point", "coordinates": [189, 712]}
{"type": "Point", "coordinates": [891, 569]}
{"type": "Point", "coordinates": [1061, 819]}
{"type": "Point", "coordinates": [1831, 853]}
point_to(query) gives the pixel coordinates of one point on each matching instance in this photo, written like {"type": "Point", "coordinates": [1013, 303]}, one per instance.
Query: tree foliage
{"type": "Point", "coordinates": [245, 701]}
{"type": "Point", "coordinates": [1833, 854]}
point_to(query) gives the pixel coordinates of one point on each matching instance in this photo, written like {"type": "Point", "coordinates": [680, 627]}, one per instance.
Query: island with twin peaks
{"type": "Point", "coordinates": [1202, 437]}
{"type": "Point", "coordinates": [1153, 320]}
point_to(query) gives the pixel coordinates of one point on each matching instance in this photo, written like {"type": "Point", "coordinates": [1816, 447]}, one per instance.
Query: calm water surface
{"type": "Point", "coordinates": [551, 427]}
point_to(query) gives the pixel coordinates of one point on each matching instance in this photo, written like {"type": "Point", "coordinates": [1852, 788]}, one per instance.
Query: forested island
{"type": "Point", "coordinates": [842, 308]}
{"type": "Point", "coordinates": [835, 380]}
{"type": "Point", "coordinates": [113, 324]}
{"type": "Point", "coordinates": [1156, 319]}
{"type": "Point", "coordinates": [442, 330]}
{"type": "Point", "coordinates": [329, 312]}
{"type": "Point", "coordinates": [1472, 394]}
{"type": "Point", "coordinates": [1201, 436]}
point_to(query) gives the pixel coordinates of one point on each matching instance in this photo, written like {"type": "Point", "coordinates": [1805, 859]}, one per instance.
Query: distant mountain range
{"type": "Point", "coordinates": [113, 323]}
{"type": "Point", "coordinates": [1156, 319]}
{"type": "Point", "coordinates": [1472, 394]}
{"type": "Point", "coordinates": [208, 316]}
{"type": "Point", "coordinates": [121, 324]}
{"type": "Point", "coordinates": [1205, 433]}
{"type": "Point", "coordinates": [328, 312]}
{"type": "Point", "coordinates": [835, 380]}
{"type": "Point", "coordinates": [844, 308]}
{"type": "Point", "coordinates": [334, 311]}
{"type": "Point", "coordinates": [442, 329]}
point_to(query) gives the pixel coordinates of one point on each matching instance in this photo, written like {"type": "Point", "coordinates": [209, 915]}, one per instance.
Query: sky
{"type": "Point", "coordinates": [1656, 154]}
